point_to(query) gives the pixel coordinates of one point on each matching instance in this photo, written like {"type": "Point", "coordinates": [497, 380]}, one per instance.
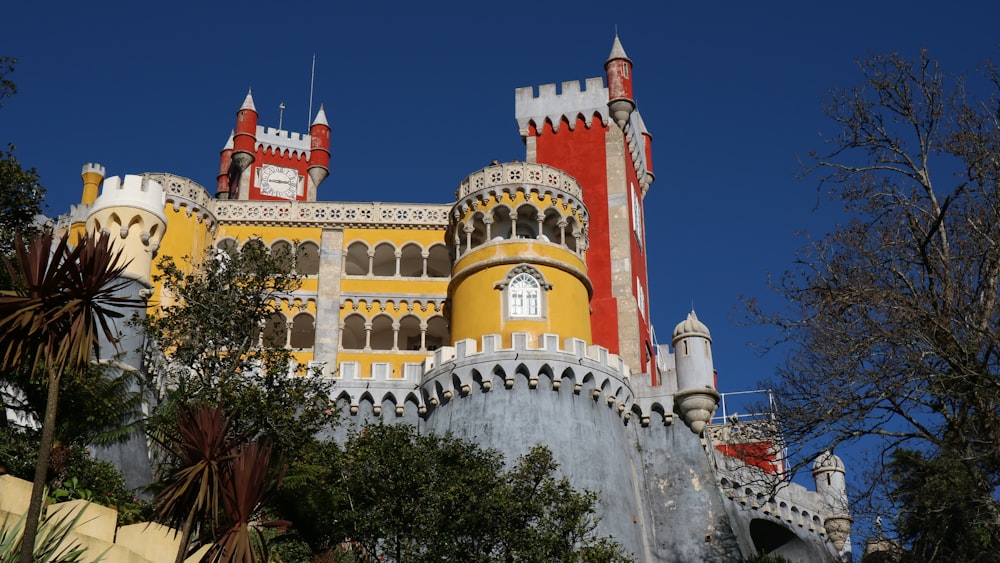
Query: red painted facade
{"type": "Point", "coordinates": [582, 153]}
{"type": "Point", "coordinates": [756, 454]}
{"type": "Point", "coordinates": [254, 149]}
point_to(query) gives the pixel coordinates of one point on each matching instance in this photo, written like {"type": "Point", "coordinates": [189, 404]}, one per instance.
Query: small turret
{"type": "Point", "coordinates": [696, 398]}
{"type": "Point", "coordinates": [223, 181]}
{"type": "Point", "coordinates": [132, 212]}
{"type": "Point", "coordinates": [830, 476]}
{"type": "Point", "coordinates": [93, 175]}
{"type": "Point", "coordinates": [245, 139]}
{"type": "Point", "coordinates": [619, 70]}
{"type": "Point", "coordinates": [319, 152]}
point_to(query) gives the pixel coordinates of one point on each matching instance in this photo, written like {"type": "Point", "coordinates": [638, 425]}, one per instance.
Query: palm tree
{"type": "Point", "coordinates": [200, 449]}
{"type": "Point", "coordinates": [65, 298]}
{"type": "Point", "coordinates": [248, 482]}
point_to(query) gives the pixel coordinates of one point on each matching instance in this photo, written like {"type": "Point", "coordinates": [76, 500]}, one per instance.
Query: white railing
{"type": "Point", "coordinates": [757, 404]}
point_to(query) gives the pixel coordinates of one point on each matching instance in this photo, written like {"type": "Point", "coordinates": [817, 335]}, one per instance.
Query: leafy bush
{"type": "Point", "coordinates": [73, 474]}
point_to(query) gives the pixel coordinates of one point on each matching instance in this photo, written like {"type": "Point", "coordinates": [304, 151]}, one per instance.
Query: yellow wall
{"type": "Point", "coordinates": [477, 306]}
{"type": "Point", "coordinates": [398, 237]}
{"type": "Point", "coordinates": [185, 240]}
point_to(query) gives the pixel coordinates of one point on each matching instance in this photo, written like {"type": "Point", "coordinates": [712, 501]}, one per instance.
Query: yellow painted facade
{"type": "Point", "coordinates": [384, 285]}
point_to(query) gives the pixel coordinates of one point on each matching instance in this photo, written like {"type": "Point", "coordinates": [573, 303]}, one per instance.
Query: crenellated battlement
{"type": "Point", "coordinates": [789, 504]}
{"type": "Point", "coordinates": [137, 192]}
{"type": "Point", "coordinates": [278, 140]}
{"type": "Point", "coordinates": [93, 167]}
{"type": "Point", "coordinates": [569, 103]}
{"type": "Point", "coordinates": [549, 343]}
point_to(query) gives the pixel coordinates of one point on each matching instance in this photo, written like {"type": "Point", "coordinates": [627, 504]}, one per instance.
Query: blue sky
{"type": "Point", "coordinates": [418, 95]}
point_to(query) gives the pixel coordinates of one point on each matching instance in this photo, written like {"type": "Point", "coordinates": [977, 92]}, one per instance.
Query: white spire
{"type": "Point", "coordinates": [248, 102]}
{"type": "Point", "coordinates": [320, 117]}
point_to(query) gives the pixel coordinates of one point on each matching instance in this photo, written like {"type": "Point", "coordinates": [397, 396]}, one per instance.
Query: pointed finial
{"type": "Point", "coordinates": [617, 51]}
{"type": "Point", "coordinates": [320, 117]}
{"type": "Point", "coordinates": [248, 102]}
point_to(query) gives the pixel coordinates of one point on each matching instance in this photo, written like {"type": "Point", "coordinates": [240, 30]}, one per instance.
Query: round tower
{"type": "Point", "coordinates": [696, 398]}
{"type": "Point", "coordinates": [830, 475]}
{"type": "Point", "coordinates": [522, 370]}
{"type": "Point", "coordinates": [619, 70]}
{"type": "Point", "coordinates": [223, 181]}
{"type": "Point", "coordinates": [245, 138]}
{"type": "Point", "coordinates": [517, 234]}
{"type": "Point", "coordinates": [132, 212]}
{"type": "Point", "coordinates": [319, 152]}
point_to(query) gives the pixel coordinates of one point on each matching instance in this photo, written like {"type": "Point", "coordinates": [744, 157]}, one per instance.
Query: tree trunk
{"type": "Point", "coordinates": [185, 538]}
{"type": "Point", "coordinates": [41, 469]}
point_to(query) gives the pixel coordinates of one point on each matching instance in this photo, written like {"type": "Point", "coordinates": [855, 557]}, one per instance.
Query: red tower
{"type": "Point", "coordinates": [596, 135]}
{"type": "Point", "coordinates": [274, 164]}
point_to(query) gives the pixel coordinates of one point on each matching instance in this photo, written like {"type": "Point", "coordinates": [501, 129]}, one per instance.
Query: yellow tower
{"type": "Point", "coordinates": [518, 234]}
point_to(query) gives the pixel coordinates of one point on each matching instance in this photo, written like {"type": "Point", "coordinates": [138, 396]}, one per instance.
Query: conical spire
{"type": "Point", "coordinates": [229, 142]}
{"type": "Point", "coordinates": [617, 51]}
{"type": "Point", "coordinates": [320, 117]}
{"type": "Point", "coordinates": [248, 102]}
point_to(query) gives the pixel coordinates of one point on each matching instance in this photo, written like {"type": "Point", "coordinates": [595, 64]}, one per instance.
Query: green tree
{"type": "Point", "coordinates": [21, 193]}
{"type": "Point", "coordinates": [64, 301]}
{"type": "Point", "coordinates": [209, 326]}
{"type": "Point", "coordinates": [894, 316]}
{"type": "Point", "coordinates": [391, 494]}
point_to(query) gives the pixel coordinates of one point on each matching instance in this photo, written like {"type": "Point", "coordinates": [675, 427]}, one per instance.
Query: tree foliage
{"type": "Point", "coordinates": [391, 494]}
{"type": "Point", "coordinates": [208, 326]}
{"type": "Point", "coordinates": [218, 481]}
{"type": "Point", "coordinates": [21, 193]}
{"type": "Point", "coordinates": [894, 317]}
{"type": "Point", "coordinates": [64, 302]}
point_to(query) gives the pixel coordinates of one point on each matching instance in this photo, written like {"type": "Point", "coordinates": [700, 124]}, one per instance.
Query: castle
{"type": "Point", "coordinates": [513, 316]}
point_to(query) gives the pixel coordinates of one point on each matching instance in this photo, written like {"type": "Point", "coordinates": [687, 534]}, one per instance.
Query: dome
{"type": "Point", "coordinates": [827, 461]}
{"type": "Point", "coordinates": [691, 326]}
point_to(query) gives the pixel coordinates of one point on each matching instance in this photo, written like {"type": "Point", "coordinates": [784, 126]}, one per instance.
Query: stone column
{"type": "Point", "coordinates": [328, 326]}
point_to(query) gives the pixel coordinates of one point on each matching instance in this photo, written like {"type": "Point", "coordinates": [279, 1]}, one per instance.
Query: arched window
{"type": "Point", "coordinates": [411, 261]}
{"type": "Point", "coordinates": [524, 297]}
{"type": "Point", "coordinates": [356, 263]}
{"type": "Point", "coordinates": [409, 333]}
{"type": "Point", "coordinates": [229, 245]}
{"type": "Point", "coordinates": [382, 333]}
{"type": "Point", "coordinates": [307, 259]}
{"type": "Point", "coordinates": [275, 331]}
{"type": "Point", "coordinates": [385, 260]}
{"type": "Point", "coordinates": [354, 334]}
{"type": "Point", "coordinates": [281, 251]}
{"type": "Point", "coordinates": [523, 293]}
{"type": "Point", "coordinates": [437, 333]}
{"type": "Point", "coordinates": [303, 331]}
{"type": "Point", "coordinates": [438, 263]}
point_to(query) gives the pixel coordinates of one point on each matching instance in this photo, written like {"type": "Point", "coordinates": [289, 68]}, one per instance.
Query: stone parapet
{"type": "Point", "coordinates": [333, 214]}
{"type": "Point", "coordinates": [539, 178]}
{"type": "Point", "coordinates": [184, 193]}
{"type": "Point", "coordinates": [574, 368]}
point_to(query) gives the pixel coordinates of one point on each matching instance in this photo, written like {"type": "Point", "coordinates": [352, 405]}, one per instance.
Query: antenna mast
{"type": "Point", "coordinates": [312, 81]}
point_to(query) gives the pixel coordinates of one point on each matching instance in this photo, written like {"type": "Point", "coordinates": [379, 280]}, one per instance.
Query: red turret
{"type": "Point", "coordinates": [619, 70]}
{"type": "Point", "coordinates": [245, 138]}
{"type": "Point", "coordinates": [319, 152]}
{"type": "Point", "coordinates": [223, 182]}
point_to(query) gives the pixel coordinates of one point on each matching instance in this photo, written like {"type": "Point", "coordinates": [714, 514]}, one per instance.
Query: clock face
{"type": "Point", "coordinates": [277, 181]}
